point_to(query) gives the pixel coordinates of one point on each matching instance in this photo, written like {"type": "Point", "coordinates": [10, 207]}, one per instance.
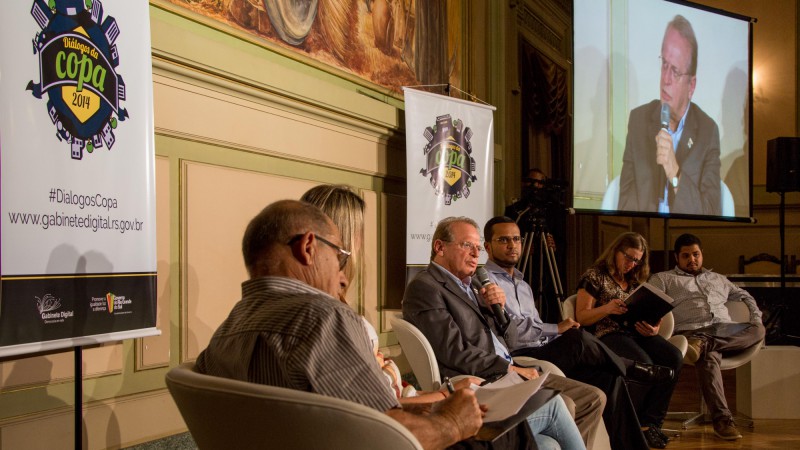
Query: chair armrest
{"type": "Point", "coordinates": [680, 341]}
{"type": "Point", "coordinates": [741, 358]}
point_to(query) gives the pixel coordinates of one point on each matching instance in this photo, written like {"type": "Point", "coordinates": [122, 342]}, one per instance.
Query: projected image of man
{"type": "Point", "coordinates": [671, 162]}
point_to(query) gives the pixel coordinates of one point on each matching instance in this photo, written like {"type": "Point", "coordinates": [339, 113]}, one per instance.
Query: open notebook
{"type": "Point", "coordinates": [510, 400]}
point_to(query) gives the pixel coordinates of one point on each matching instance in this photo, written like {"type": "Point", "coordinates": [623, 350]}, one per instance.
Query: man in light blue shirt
{"type": "Point", "coordinates": [520, 307]}
{"type": "Point", "coordinates": [581, 356]}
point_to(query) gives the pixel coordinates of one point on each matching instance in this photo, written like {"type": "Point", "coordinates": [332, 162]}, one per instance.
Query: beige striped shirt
{"type": "Point", "coordinates": [288, 334]}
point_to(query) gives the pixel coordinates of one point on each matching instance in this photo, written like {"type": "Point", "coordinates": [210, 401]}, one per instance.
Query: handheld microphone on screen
{"type": "Point", "coordinates": [665, 116]}
{"type": "Point", "coordinates": [664, 126]}
{"type": "Point", "coordinates": [497, 310]}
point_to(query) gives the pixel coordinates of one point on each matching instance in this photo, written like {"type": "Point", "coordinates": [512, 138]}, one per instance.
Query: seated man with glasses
{"type": "Point", "coordinates": [671, 161]}
{"type": "Point", "coordinates": [579, 354]}
{"type": "Point", "coordinates": [602, 291]}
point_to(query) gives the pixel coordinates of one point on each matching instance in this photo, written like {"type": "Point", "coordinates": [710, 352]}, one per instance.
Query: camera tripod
{"type": "Point", "coordinates": [535, 244]}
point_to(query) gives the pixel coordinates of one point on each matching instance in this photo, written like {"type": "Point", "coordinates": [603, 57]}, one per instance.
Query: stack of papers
{"type": "Point", "coordinates": [506, 396]}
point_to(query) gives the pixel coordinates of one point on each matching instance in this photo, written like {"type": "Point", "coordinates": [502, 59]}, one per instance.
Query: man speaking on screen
{"type": "Point", "coordinates": [671, 161]}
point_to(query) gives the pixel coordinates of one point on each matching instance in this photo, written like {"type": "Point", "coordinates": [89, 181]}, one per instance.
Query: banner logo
{"type": "Point", "coordinates": [448, 158]}
{"type": "Point", "coordinates": [47, 303]}
{"type": "Point", "coordinates": [111, 303]}
{"type": "Point", "coordinates": [48, 306]}
{"type": "Point", "coordinates": [77, 66]}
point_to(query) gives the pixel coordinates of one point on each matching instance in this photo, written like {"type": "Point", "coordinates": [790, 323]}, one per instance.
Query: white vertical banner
{"type": "Point", "coordinates": [450, 159]}
{"type": "Point", "coordinates": [78, 184]}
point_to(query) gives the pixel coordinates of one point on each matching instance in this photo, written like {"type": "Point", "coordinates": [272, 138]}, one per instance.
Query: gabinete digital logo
{"type": "Point", "coordinates": [448, 158]}
{"type": "Point", "coordinates": [77, 63]}
{"type": "Point", "coordinates": [48, 306]}
{"type": "Point", "coordinates": [47, 303]}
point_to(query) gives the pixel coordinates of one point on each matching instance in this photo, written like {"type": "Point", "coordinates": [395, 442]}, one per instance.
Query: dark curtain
{"type": "Point", "coordinates": [544, 91]}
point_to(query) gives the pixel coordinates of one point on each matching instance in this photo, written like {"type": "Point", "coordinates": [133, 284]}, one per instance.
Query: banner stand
{"type": "Point", "coordinates": [78, 398]}
{"type": "Point", "coordinates": [78, 261]}
{"type": "Point", "coordinates": [449, 166]}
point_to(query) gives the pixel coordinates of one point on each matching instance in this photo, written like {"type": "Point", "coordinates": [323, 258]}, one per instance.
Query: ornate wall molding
{"type": "Point", "coordinates": [530, 22]}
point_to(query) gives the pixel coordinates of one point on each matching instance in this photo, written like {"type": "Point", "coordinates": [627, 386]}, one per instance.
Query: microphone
{"type": "Point", "coordinates": [665, 116]}
{"type": "Point", "coordinates": [664, 126]}
{"type": "Point", "coordinates": [497, 310]}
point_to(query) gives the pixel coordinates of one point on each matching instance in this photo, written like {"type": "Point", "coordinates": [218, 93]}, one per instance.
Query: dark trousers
{"type": "Point", "coordinates": [650, 400]}
{"type": "Point", "coordinates": [581, 356]}
{"type": "Point", "coordinates": [709, 374]}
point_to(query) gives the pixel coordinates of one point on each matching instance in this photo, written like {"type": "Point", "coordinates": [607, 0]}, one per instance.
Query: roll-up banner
{"type": "Point", "coordinates": [78, 183]}
{"type": "Point", "coordinates": [450, 158]}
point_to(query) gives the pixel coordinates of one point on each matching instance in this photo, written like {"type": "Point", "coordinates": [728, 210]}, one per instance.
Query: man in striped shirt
{"type": "Point", "coordinates": [289, 330]}
{"type": "Point", "coordinates": [699, 298]}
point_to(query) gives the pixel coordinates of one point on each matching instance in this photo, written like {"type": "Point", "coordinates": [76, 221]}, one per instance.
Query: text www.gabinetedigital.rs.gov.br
{"type": "Point", "coordinates": [89, 221]}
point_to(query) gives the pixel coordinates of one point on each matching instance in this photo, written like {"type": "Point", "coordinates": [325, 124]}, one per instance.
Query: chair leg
{"type": "Point", "coordinates": [704, 416]}
{"type": "Point", "coordinates": [687, 418]}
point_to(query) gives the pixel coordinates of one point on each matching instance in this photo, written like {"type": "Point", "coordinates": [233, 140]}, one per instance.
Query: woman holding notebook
{"type": "Point", "coordinates": [602, 291]}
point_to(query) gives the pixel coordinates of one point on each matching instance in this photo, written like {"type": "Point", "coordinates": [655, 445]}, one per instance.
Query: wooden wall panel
{"type": "Point", "coordinates": [153, 351]}
{"type": "Point", "coordinates": [32, 371]}
{"type": "Point", "coordinates": [219, 203]}
{"type": "Point", "coordinates": [256, 124]}
{"type": "Point", "coordinates": [370, 277]}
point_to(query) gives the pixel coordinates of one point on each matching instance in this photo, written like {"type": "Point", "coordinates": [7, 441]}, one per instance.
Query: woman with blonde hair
{"type": "Point", "coordinates": [602, 291]}
{"type": "Point", "coordinates": [346, 209]}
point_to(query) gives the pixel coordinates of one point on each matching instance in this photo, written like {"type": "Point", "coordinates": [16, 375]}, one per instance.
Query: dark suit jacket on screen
{"type": "Point", "coordinates": [457, 329]}
{"type": "Point", "coordinates": [642, 180]}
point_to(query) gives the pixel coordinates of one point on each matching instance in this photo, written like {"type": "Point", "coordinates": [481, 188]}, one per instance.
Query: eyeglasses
{"type": "Point", "coordinates": [341, 254]}
{"type": "Point", "coordinates": [665, 67]}
{"type": "Point", "coordinates": [505, 240]}
{"type": "Point", "coordinates": [630, 258]}
{"type": "Point", "coordinates": [468, 246]}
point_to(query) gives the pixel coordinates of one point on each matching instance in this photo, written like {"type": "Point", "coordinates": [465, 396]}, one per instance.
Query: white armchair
{"type": "Point", "coordinates": [222, 414]}
{"type": "Point", "coordinates": [419, 353]}
{"type": "Point", "coordinates": [739, 313]}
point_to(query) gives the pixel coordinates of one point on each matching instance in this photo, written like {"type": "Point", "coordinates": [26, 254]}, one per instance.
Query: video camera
{"type": "Point", "coordinates": [542, 198]}
{"type": "Point", "coordinates": [549, 193]}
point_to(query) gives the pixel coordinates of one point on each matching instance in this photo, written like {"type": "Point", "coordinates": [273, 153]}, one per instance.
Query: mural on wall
{"type": "Point", "coordinates": [391, 43]}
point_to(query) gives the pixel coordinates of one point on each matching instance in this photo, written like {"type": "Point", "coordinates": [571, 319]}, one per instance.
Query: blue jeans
{"type": "Point", "coordinates": [552, 422]}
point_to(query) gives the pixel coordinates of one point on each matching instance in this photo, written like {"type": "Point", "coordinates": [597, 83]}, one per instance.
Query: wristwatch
{"type": "Point", "coordinates": [675, 179]}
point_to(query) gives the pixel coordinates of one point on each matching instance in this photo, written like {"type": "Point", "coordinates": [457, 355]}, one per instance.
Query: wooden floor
{"type": "Point", "coordinates": [765, 435]}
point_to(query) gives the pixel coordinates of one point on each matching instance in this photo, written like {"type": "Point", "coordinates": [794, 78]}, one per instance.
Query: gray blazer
{"type": "Point", "coordinates": [458, 331]}
{"type": "Point", "coordinates": [641, 182]}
